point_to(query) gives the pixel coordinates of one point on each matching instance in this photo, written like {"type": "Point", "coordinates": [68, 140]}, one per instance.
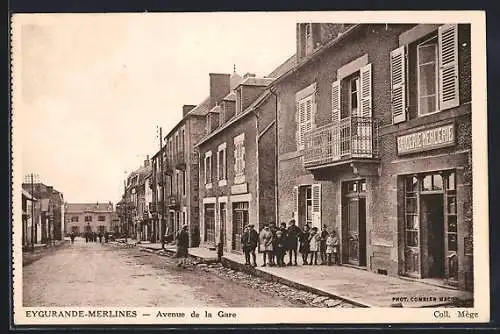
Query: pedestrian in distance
{"type": "Point", "coordinates": [280, 248]}
{"type": "Point", "coordinates": [249, 241]}
{"type": "Point", "coordinates": [266, 243]}
{"type": "Point", "coordinates": [72, 237]}
{"type": "Point", "coordinates": [293, 233]}
{"type": "Point", "coordinates": [334, 247]}
{"type": "Point", "coordinates": [322, 244]}
{"type": "Point", "coordinates": [314, 240]}
{"type": "Point", "coordinates": [100, 238]}
{"type": "Point", "coordinates": [304, 244]}
{"type": "Point", "coordinates": [329, 248]}
{"type": "Point", "coordinates": [182, 243]}
{"type": "Point", "coordinates": [86, 237]}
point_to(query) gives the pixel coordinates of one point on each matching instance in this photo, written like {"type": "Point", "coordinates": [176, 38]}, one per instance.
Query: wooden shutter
{"type": "Point", "coordinates": [335, 134]}
{"type": "Point", "coordinates": [316, 205]}
{"type": "Point", "coordinates": [301, 110]}
{"type": "Point", "coordinates": [296, 204]}
{"type": "Point", "coordinates": [336, 101]}
{"type": "Point", "coordinates": [366, 91]}
{"type": "Point", "coordinates": [398, 93]}
{"type": "Point", "coordinates": [448, 66]}
{"type": "Point", "coordinates": [242, 158]}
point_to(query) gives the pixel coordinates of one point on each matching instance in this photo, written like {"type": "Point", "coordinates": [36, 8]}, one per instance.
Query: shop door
{"type": "Point", "coordinates": [240, 219]}
{"type": "Point", "coordinates": [354, 223]}
{"type": "Point", "coordinates": [433, 228]}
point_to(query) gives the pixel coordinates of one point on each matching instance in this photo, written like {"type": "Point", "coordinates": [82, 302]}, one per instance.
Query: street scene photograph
{"type": "Point", "coordinates": [224, 160]}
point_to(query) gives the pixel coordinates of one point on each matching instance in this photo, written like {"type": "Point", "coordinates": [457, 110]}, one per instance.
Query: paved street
{"type": "Point", "coordinates": [96, 274]}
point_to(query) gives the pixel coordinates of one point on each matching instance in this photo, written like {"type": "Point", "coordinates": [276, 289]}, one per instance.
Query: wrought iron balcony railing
{"type": "Point", "coordinates": [350, 138]}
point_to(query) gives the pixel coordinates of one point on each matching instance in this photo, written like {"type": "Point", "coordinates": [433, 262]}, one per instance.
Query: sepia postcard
{"type": "Point", "coordinates": [241, 167]}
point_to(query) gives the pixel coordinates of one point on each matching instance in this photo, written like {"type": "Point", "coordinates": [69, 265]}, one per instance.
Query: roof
{"type": "Point", "coordinates": [252, 81]}
{"type": "Point", "coordinates": [28, 195]}
{"type": "Point", "coordinates": [255, 104]}
{"type": "Point", "coordinates": [317, 53]}
{"type": "Point", "coordinates": [230, 97]}
{"type": "Point", "coordinates": [201, 109]}
{"type": "Point", "coordinates": [89, 207]}
{"type": "Point", "coordinates": [283, 68]}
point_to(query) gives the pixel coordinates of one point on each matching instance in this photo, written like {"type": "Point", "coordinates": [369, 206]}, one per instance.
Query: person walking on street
{"type": "Point", "coordinates": [72, 237]}
{"type": "Point", "coordinates": [182, 242]}
{"type": "Point", "coordinates": [322, 245]}
{"type": "Point", "coordinates": [304, 244]}
{"type": "Point", "coordinates": [100, 238]}
{"type": "Point", "coordinates": [266, 243]}
{"type": "Point", "coordinates": [314, 240]}
{"type": "Point", "coordinates": [293, 233]}
{"type": "Point", "coordinates": [249, 241]}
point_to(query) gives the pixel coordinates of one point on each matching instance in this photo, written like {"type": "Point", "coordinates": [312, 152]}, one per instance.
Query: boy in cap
{"type": "Point", "coordinates": [249, 241]}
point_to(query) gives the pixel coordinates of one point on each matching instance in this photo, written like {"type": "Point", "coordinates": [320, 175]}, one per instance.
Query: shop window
{"type": "Point", "coordinates": [210, 223]}
{"type": "Point", "coordinates": [240, 219]}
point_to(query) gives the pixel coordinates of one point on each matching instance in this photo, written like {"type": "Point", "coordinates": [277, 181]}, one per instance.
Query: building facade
{"type": "Point", "coordinates": [30, 218]}
{"type": "Point", "coordinates": [50, 205]}
{"type": "Point", "coordinates": [175, 167]}
{"type": "Point", "coordinates": [374, 141]}
{"type": "Point", "coordinates": [88, 217]}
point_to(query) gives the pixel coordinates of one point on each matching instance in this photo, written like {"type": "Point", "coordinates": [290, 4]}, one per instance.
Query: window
{"type": "Point", "coordinates": [221, 162]}
{"type": "Point", "coordinates": [182, 140]}
{"type": "Point", "coordinates": [74, 219]}
{"type": "Point", "coordinates": [184, 182]}
{"type": "Point", "coordinates": [308, 194]}
{"type": "Point", "coordinates": [239, 158]}
{"type": "Point", "coordinates": [222, 114]}
{"type": "Point", "coordinates": [208, 167]}
{"type": "Point", "coordinates": [427, 74]}
{"type": "Point", "coordinates": [88, 218]}
{"type": "Point", "coordinates": [305, 110]}
{"type": "Point", "coordinates": [354, 96]}
{"type": "Point", "coordinates": [239, 100]}
{"type": "Point", "coordinates": [101, 218]}
{"type": "Point", "coordinates": [433, 61]}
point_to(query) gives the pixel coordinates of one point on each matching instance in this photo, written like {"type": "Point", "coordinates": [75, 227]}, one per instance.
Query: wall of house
{"type": "Point", "coordinates": [94, 224]}
{"type": "Point", "coordinates": [384, 234]}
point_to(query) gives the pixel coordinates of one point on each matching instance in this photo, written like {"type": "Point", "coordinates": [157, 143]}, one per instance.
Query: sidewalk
{"type": "Point", "coordinates": [357, 286]}
{"type": "Point", "coordinates": [200, 253]}
{"type": "Point", "coordinates": [40, 250]}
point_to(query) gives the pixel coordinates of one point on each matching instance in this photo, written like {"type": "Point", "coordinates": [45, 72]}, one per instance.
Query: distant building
{"type": "Point", "coordinates": [50, 204]}
{"type": "Point", "coordinates": [88, 217]}
{"type": "Point", "coordinates": [29, 217]}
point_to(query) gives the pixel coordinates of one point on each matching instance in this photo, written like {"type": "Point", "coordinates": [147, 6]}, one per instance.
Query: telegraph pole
{"type": "Point", "coordinates": [162, 180]}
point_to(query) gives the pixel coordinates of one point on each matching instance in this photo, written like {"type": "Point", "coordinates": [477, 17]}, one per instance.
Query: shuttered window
{"type": "Point", "coordinates": [436, 66]}
{"type": "Point", "coordinates": [305, 113]}
{"type": "Point", "coordinates": [316, 205]}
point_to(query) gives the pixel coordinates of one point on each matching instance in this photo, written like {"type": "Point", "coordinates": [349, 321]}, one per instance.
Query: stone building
{"type": "Point", "coordinates": [374, 141]}
{"type": "Point", "coordinates": [88, 217]}
{"type": "Point", "coordinates": [175, 191]}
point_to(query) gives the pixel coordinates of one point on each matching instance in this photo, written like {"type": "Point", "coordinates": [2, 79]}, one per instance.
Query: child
{"type": "Point", "coordinates": [314, 240]}
{"type": "Point", "coordinates": [280, 248]}
{"type": "Point", "coordinates": [332, 243]}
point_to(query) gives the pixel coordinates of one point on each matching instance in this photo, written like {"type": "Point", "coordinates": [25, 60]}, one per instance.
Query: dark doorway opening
{"type": "Point", "coordinates": [433, 228]}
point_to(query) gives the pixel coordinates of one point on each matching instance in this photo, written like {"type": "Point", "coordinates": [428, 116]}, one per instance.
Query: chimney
{"type": "Point", "coordinates": [249, 75]}
{"type": "Point", "coordinates": [187, 108]}
{"type": "Point", "coordinates": [146, 162]}
{"type": "Point", "coordinates": [219, 87]}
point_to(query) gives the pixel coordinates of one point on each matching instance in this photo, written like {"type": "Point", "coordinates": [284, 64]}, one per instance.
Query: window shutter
{"type": "Point", "coordinates": [316, 205]}
{"type": "Point", "coordinates": [448, 66]}
{"type": "Point", "coordinates": [242, 161]}
{"type": "Point", "coordinates": [296, 204]}
{"type": "Point", "coordinates": [302, 124]}
{"type": "Point", "coordinates": [398, 96]}
{"type": "Point", "coordinates": [336, 101]}
{"type": "Point", "coordinates": [366, 91]}
{"type": "Point", "coordinates": [335, 135]}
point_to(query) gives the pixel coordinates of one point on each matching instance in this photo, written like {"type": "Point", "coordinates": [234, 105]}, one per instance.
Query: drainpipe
{"type": "Point", "coordinates": [276, 160]}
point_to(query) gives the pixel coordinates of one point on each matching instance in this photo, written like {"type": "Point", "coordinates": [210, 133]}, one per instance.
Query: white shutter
{"type": "Point", "coordinates": [448, 66]}
{"type": "Point", "coordinates": [363, 141]}
{"type": "Point", "coordinates": [366, 91]}
{"type": "Point", "coordinates": [296, 204]}
{"type": "Point", "coordinates": [335, 135]}
{"type": "Point", "coordinates": [398, 93]}
{"type": "Point", "coordinates": [242, 158]}
{"type": "Point", "coordinates": [301, 109]}
{"type": "Point", "coordinates": [316, 205]}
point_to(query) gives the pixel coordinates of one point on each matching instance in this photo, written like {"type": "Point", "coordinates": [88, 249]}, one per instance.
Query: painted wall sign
{"type": "Point", "coordinates": [428, 139]}
{"type": "Point", "coordinates": [239, 188]}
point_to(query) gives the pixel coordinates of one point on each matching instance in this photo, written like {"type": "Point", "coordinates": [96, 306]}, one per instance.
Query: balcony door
{"type": "Point", "coordinates": [354, 222]}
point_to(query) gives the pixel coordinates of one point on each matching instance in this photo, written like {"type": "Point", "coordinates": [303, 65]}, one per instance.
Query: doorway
{"type": "Point", "coordinates": [354, 223]}
{"type": "Point", "coordinates": [433, 235]}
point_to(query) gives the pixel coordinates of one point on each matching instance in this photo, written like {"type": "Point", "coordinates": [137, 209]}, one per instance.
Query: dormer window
{"type": "Point", "coordinates": [239, 100]}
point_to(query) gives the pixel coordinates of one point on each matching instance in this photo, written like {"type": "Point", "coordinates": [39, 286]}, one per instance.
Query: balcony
{"type": "Point", "coordinates": [349, 140]}
{"type": "Point", "coordinates": [180, 162]}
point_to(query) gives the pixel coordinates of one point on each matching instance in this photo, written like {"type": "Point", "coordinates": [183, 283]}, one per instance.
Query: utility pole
{"type": "Point", "coordinates": [162, 182]}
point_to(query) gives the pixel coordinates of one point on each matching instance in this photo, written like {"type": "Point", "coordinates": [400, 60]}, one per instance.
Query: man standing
{"type": "Point", "coordinates": [293, 233]}
{"type": "Point", "coordinates": [249, 241]}
{"type": "Point", "coordinates": [182, 240]}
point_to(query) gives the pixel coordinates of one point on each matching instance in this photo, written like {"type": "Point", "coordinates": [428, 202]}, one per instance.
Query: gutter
{"type": "Point", "coordinates": [276, 160]}
{"type": "Point", "coordinates": [317, 53]}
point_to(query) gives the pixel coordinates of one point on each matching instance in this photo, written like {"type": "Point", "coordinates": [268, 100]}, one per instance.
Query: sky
{"type": "Point", "coordinates": [90, 90]}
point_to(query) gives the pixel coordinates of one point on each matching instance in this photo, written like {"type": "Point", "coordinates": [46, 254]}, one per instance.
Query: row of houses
{"type": "Point", "coordinates": [42, 213]}
{"type": "Point", "coordinates": [365, 129]}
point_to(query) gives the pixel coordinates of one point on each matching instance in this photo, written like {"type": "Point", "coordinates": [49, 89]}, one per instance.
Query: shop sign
{"type": "Point", "coordinates": [425, 140]}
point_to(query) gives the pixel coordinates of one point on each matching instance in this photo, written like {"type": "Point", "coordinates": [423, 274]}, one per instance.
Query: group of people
{"type": "Point", "coordinates": [94, 237]}
{"type": "Point", "coordinates": [274, 243]}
